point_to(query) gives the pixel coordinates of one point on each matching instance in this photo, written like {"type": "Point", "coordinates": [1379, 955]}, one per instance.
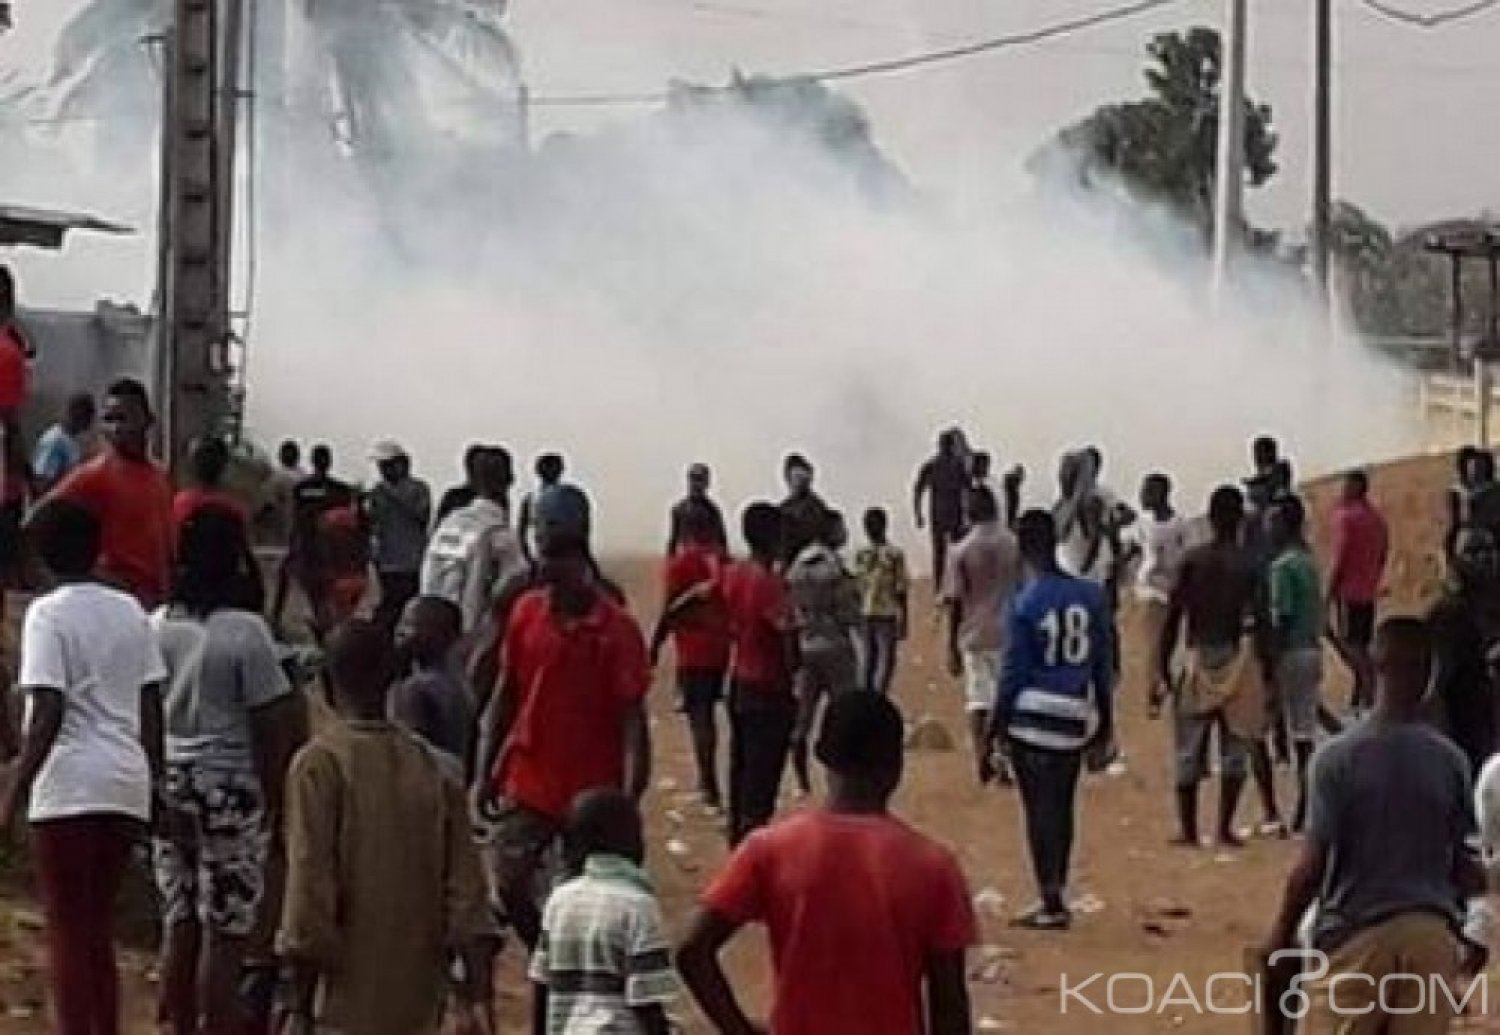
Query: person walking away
{"type": "Point", "coordinates": [64, 445]}
{"type": "Point", "coordinates": [1163, 537]}
{"type": "Point", "coordinates": [1389, 809]}
{"type": "Point", "coordinates": [1223, 688]}
{"type": "Point", "coordinates": [312, 499]}
{"type": "Point", "coordinates": [699, 482]}
{"type": "Point", "coordinates": [460, 496]}
{"type": "Point", "coordinates": [381, 867]}
{"type": "Point", "coordinates": [938, 497]}
{"type": "Point", "coordinates": [432, 700]}
{"type": "Point", "coordinates": [568, 716]}
{"type": "Point", "coordinates": [984, 572]}
{"type": "Point", "coordinates": [762, 701]}
{"type": "Point", "coordinates": [398, 509]}
{"type": "Point", "coordinates": [474, 560]}
{"type": "Point", "coordinates": [825, 611]}
{"type": "Point", "coordinates": [1296, 606]}
{"type": "Point", "coordinates": [1054, 705]}
{"type": "Point", "coordinates": [89, 761]}
{"type": "Point", "coordinates": [884, 594]}
{"type": "Point", "coordinates": [550, 469]}
{"type": "Point", "coordinates": [603, 962]}
{"type": "Point", "coordinates": [15, 474]}
{"type": "Point", "coordinates": [232, 725]}
{"type": "Point", "coordinates": [1361, 548]}
{"type": "Point", "coordinates": [130, 495]}
{"type": "Point", "coordinates": [696, 617]}
{"type": "Point", "coordinates": [208, 463]}
{"type": "Point", "coordinates": [1465, 625]}
{"type": "Point", "coordinates": [281, 510]}
{"type": "Point", "coordinates": [802, 510]}
{"type": "Point", "coordinates": [1006, 490]}
{"type": "Point", "coordinates": [866, 917]}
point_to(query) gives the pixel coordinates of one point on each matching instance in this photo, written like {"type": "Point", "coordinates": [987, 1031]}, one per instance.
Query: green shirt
{"type": "Point", "coordinates": [1297, 599]}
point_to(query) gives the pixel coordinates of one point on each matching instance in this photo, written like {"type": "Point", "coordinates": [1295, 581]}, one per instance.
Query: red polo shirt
{"type": "Point", "coordinates": [575, 679]}
{"type": "Point", "coordinates": [701, 634]}
{"type": "Point", "coordinates": [1361, 546]}
{"type": "Point", "coordinates": [854, 907]}
{"type": "Point", "coordinates": [189, 501]}
{"type": "Point", "coordinates": [133, 501]}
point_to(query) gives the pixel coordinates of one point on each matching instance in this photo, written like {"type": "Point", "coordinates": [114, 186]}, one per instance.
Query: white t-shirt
{"type": "Point", "coordinates": [1163, 544]}
{"type": "Point", "coordinates": [1075, 547]}
{"type": "Point", "coordinates": [93, 645]}
{"type": "Point", "coordinates": [472, 556]}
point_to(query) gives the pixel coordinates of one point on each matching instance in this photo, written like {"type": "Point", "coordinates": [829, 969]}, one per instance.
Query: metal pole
{"type": "Point", "coordinates": [1230, 178]}
{"type": "Point", "coordinates": [1322, 146]}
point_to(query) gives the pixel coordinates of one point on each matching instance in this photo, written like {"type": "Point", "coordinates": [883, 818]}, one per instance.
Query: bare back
{"type": "Point", "coordinates": [1218, 595]}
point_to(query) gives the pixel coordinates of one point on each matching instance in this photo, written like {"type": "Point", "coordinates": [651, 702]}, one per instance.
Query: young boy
{"type": "Point", "coordinates": [762, 704]}
{"type": "Point", "coordinates": [433, 701]}
{"type": "Point", "coordinates": [698, 621]}
{"type": "Point", "coordinates": [603, 963]}
{"type": "Point", "coordinates": [383, 880]}
{"type": "Point", "coordinates": [92, 751]}
{"type": "Point", "coordinates": [884, 587]}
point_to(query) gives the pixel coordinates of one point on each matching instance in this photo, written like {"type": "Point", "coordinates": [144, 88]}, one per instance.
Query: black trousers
{"type": "Point", "coordinates": [1048, 781]}
{"type": "Point", "coordinates": [397, 589]}
{"type": "Point", "coordinates": [760, 738]}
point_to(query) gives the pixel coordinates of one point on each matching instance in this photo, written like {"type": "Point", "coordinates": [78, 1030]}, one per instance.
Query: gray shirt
{"type": "Point", "coordinates": [219, 671]}
{"type": "Point", "coordinates": [399, 516]}
{"type": "Point", "coordinates": [1391, 803]}
{"type": "Point", "coordinates": [825, 600]}
{"type": "Point", "coordinates": [437, 706]}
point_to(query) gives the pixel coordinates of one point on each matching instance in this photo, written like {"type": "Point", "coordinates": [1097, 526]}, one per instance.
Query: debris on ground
{"type": "Point", "coordinates": [928, 734]}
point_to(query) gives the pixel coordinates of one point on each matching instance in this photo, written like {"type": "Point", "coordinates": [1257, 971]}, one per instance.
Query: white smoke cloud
{"type": "Point", "coordinates": [653, 298]}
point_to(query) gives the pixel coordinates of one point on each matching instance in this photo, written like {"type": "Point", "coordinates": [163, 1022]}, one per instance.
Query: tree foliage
{"type": "Point", "coordinates": [1163, 147]}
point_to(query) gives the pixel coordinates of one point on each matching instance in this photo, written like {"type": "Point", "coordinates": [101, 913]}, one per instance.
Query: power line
{"type": "Point", "coordinates": [1429, 21]}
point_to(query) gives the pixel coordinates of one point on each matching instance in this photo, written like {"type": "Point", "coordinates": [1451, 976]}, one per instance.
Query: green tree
{"type": "Point", "coordinates": [1163, 147]}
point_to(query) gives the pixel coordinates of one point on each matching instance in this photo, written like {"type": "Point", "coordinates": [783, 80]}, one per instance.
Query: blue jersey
{"type": "Point", "coordinates": [1057, 676]}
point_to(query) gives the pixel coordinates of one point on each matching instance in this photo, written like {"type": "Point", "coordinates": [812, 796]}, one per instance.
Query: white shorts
{"type": "Point", "coordinates": [981, 679]}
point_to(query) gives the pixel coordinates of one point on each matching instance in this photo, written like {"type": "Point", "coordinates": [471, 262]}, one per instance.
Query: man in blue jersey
{"type": "Point", "coordinates": [1054, 705]}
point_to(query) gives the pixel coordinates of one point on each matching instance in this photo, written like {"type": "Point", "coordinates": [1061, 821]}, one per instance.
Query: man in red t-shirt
{"type": "Point", "coordinates": [864, 914]}
{"type": "Point", "coordinates": [762, 705]}
{"type": "Point", "coordinates": [695, 615]}
{"type": "Point", "coordinates": [130, 495]}
{"type": "Point", "coordinates": [15, 476]}
{"type": "Point", "coordinates": [568, 716]}
{"type": "Point", "coordinates": [1361, 547]}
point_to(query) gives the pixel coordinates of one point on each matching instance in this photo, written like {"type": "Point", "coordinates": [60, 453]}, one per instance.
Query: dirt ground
{"type": "Point", "coordinates": [1143, 906]}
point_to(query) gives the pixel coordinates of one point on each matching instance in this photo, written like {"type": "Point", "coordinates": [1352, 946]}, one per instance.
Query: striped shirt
{"type": "Point", "coordinates": [603, 952]}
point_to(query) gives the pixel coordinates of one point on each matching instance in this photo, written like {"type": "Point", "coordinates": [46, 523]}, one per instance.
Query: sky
{"type": "Point", "coordinates": [1407, 104]}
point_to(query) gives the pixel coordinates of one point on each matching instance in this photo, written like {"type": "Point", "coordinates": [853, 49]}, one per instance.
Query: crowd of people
{"type": "Point", "coordinates": [465, 767]}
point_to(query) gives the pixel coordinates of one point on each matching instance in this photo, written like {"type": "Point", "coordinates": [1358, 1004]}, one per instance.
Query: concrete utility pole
{"type": "Point", "coordinates": [1229, 207]}
{"type": "Point", "coordinates": [1322, 147]}
{"type": "Point", "coordinates": [196, 181]}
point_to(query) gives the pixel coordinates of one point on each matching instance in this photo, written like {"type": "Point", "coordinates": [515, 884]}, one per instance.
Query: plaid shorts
{"type": "Point", "coordinates": [212, 868]}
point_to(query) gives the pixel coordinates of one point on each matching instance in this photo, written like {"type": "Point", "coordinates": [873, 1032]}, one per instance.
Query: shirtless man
{"type": "Point", "coordinates": [1220, 600]}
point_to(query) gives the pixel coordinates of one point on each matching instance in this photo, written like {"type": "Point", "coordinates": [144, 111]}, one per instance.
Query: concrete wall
{"type": "Point", "coordinates": [83, 351]}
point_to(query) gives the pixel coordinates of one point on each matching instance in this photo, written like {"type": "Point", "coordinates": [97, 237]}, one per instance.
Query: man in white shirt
{"type": "Point", "coordinates": [92, 750]}
{"type": "Point", "coordinates": [474, 558]}
{"type": "Point", "coordinates": [1162, 541]}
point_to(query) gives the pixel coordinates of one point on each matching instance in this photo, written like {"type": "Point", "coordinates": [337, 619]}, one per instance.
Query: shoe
{"type": "Point", "coordinates": [1040, 918]}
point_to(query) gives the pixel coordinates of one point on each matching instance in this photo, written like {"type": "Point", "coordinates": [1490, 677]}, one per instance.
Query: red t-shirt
{"type": "Point", "coordinates": [1361, 544]}
{"type": "Point", "coordinates": [13, 373]}
{"type": "Point", "coordinates": [701, 634]}
{"type": "Point", "coordinates": [133, 502]}
{"type": "Point", "coordinates": [188, 501]}
{"type": "Point", "coordinates": [854, 906]}
{"type": "Point", "coordinates": [759, 617]}
{"type": "Point", "coordinates": [575, 680]}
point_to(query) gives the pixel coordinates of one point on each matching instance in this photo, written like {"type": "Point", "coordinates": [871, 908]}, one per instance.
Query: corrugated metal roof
{"type": "Point", "coordinates": [45, 228]}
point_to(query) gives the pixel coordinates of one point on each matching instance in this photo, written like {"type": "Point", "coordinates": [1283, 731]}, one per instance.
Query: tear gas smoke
{"type": "Point", "coordinates": [651, 297]}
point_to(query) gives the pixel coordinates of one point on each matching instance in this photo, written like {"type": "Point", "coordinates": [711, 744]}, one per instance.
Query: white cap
{"type": "Point", "coordinates": [387, 450]}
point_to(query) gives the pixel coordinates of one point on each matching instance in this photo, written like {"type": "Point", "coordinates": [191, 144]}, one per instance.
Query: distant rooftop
{"type": "Point", "coordinates": [45, 228]}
